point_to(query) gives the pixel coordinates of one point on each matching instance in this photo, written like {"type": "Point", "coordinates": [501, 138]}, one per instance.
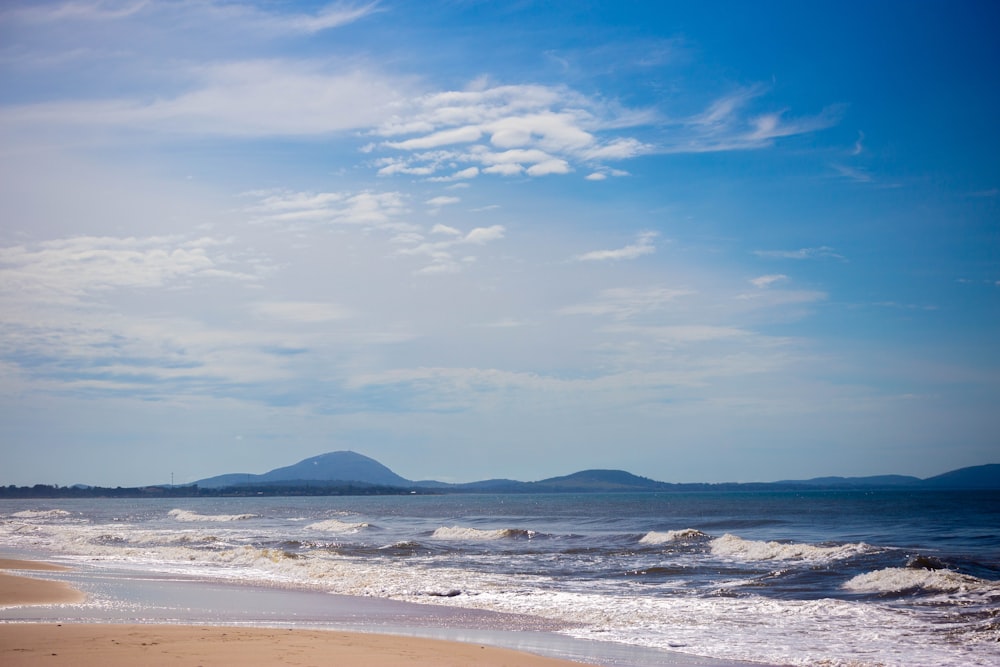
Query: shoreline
{"type": "Point", "coordinates": [119, 645]}
{"type": "Point", "coordinates": [179, 617]}
{"type": "Point", "coordinates": [17, 590]}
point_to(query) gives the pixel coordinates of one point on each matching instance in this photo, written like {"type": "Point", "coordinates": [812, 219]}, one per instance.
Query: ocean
{"type": "Point", "coordinates": [779, 577]}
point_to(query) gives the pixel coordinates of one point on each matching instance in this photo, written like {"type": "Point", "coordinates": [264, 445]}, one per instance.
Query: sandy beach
{"type": "Point", "coordinates": [152, 645]}
{"type": "Point", "coordinates": [111, 645]}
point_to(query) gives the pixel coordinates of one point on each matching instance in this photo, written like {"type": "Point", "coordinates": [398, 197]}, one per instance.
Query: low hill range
{"type": "Point", "coordinates": [350, 468]}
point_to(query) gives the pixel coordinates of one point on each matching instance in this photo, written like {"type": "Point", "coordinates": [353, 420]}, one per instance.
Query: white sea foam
{"type": "Point", "coordinates": [899, 579]}
{"type": "Point", "coordinates": [187, 516]}
{"type": "Point", "coordinates": [335, 526]}
{"type": "Point", "coordinates": [41, 514]}
{"type": "Point", "coordinates": [460, 533]}
{"type": "Point", "coordinates": [685, 535]}
{"type": "Point", "coordinates": [731, 546]}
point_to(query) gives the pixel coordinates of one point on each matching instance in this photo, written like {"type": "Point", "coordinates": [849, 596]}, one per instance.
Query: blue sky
{"type": "Point", "coordinates": [697, 241]}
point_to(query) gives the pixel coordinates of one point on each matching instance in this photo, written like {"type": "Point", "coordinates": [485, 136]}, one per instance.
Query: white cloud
{"type": "Point", "coordinates": [67, 269]}
{"type": "Point", "coordinates": [549, 167]}
{"type": "Point", "coordinates": [236, 17]}
{"type": "Point", "coordinates": [460, 175]}
{"type": "Point", "coordinates": [437, 202]}
{"type": "Point", "coordinates": [642, 246]}
{"type": "Point", "coordinates": [445, 229]}
{"type": "Point", "coordinates": [626, 302]}
{"type": "Point", "coordinates": [683, 333]}
{"type": "Point", "coordinates": [768, 280]}
{"type": "Point", "coordinates": [511, 130]}
{"type": "Point", "coordinates": [509, 169]}
{"type": "Point", "coordinates": [442, 253]}
{"type": "Point", "coordinates": [461, 135]}
{"type": "Point", "coordinates": [376, 209]}
{"type": "Point", "coordinates": [481, 235]}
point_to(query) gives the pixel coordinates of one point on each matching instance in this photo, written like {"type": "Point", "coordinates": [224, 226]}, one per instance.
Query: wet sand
{"type": "Point", "coordinates": [117, 645]}
{"type": "Point", "coordinates": [154, 645]}
{"type": "Point", "coordinates": [18, 590]}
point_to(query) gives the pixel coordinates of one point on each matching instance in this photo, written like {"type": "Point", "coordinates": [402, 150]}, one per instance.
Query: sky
{"type": "Point", "coordinates": [713, 241]}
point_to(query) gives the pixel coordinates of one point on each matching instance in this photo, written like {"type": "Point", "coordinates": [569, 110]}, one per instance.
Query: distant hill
{"type": "Point", "coordinates": [976, 477]}
{"type": "Point", "coordinates": [600, 480]}
{"type": "Point", "coordinates": [350, 468]}
{"type": "Point", "coordinates": [874, 480]}
{"type": "Point", "coordinates": [342, 466]}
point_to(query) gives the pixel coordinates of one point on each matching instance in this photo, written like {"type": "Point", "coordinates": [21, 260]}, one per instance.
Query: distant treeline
{"type": "Point", "coordinates": [191, 491]}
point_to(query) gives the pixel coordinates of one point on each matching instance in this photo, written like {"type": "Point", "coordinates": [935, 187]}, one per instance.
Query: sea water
{"type": "Point", "coordinates": [801, 578]}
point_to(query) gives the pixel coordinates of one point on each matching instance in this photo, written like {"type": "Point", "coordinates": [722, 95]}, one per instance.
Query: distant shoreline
{"type": "Point", "coordinates": [45, 492]}
{"type": "Point", "coordinates": [347, 473]}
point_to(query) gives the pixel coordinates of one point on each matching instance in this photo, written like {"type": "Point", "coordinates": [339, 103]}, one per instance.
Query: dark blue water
{"type": "Point", "coordinates": [818, 577]}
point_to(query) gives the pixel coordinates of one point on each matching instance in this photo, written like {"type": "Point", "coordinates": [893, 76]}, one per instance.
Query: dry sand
{"type": "Point", "coordinates": [113, 645]}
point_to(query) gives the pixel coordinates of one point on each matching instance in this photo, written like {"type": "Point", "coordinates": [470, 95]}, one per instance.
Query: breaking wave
{"type": "Point", "coordinates": [478, 535]}
{"type": "Point", "coordinates": [185, 515]}
{"type": "Point", "coordinates": [899, 579]}
{"type": "Point", "coordinates": [685, 535]}
{"type": "Point", "coordinates": [335, 526]}
{"type": "Point", "coordinates": [731, 546]}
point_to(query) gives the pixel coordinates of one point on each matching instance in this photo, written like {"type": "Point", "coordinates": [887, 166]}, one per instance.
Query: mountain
{"type": "Point", "coordinates": [975, 477]}
{"type": "Point", "coordinates": [599, 480]}
{"type": "Point", "coordinates": [342, 466]}
{"type": "Point", "coordinates": [350, 468]}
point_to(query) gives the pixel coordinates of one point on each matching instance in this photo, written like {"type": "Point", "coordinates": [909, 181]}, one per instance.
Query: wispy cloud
{"type": "Point", "coordinates": [373, 209]}
{"type": "Point", "coordinates": [852, 173]}
{"type": "Point", "coordinates": [727, 124]}
{"type": "Point", "coordinates": [762, 282]}
{"type": "Point", "coordinates": [240, 17]}
{"type": "Point", "coordinates": [442, 254]}
{"type": "Point", "coordinates": [859, 145]}
{"type": "Point", "coordinates": [820, 252]}
{"type": "Point", "coordinates": [643, 246]}
{"type": "Point", "coordinates": [257, 98]}
{"type": "Point", "coordinates": [64, 270]}
{"type": "Point", "coordinates": [625, 302]}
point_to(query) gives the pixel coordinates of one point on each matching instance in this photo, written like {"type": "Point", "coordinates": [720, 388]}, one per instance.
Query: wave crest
{"type": "Point", "coordinates": [899, 579]}
{"type": "Point", "coordinates": [187, 516]}
{"type": "Point", "coordinates": [731, 546]}
{"type": "Point", "coordinates": [336, 526]}
{"type": "Point", "coordinates": [479, 535]}
{"type": "Point", "coordinates": [687, 534]}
